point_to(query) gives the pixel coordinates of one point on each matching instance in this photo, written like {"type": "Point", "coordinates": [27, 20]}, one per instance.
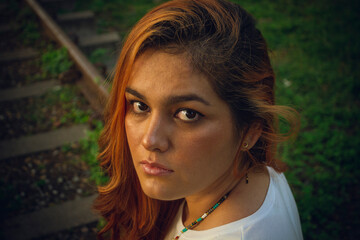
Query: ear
{"type": "Point", "coordinates": [252, 136]}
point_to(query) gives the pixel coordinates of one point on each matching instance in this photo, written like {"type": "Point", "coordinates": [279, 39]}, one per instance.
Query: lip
{"type": "Point", "coordinates": [155, 169]}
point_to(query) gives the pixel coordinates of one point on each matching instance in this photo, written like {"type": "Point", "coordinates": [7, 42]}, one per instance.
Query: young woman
{"type": "Point", "coordinates": [191, 131]}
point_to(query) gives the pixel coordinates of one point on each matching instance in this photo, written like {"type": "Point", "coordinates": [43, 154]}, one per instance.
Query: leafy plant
{"type": "Point", "coordinates": [316, 73]}
{"type": "Point", "coordinates": [55, 61]}
{"type": "Point", "coordinates": [25, 20]}
{"type": "Point", "coordinates": [67, 108]}
{"type": "Point", "coordinates": [30, 32]}
{"type": "Point", "coordinates": [90, 148]}
{"type": "Point", "coordinates": [99, 55]}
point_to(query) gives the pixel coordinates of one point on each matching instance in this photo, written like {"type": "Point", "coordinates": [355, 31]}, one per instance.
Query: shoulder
{"type": "Point", "coordinates": [278, 217]}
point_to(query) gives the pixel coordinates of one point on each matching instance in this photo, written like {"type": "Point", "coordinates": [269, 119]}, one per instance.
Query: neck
{"type": "Point", "coordinates": [243, 200]}
{"type": "Point", "coordinates": [198, 204]}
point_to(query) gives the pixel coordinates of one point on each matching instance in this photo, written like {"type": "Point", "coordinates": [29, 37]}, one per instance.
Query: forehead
{"type": "Point", "coordinates": [160, 72]}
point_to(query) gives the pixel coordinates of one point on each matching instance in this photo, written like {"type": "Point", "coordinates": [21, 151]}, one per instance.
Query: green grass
{"type": "Point", "coordinates": [119, 15]}
{"type": "Point", "coordinates": [90, 148]}
{"type": "Point", "coordinates": [315, 53]}
{"type": "Point", "coordinates": [55, 61]}
{"type": "Point", "coordinates": [61, 106]}
{"type": "Point", "coordinates": [70, 100]}
{"type": "Point", "coordinates": [315, 60]}
{"type": "Point", "coordinates": [25, 21]}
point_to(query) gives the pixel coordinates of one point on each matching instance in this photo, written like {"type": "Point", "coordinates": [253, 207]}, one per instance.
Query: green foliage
{"type": "Point", "coordinates": [61, 106]}
{"type": "Point", "coordinates": [30, 32]}
{"type": "Point", "coordinates": [26, 21]}
{"type": "Point", "coordinates": [68, 99]}
{"type": "Point", "coordinates": [118, 14]}
{"type": "Point", "coordinates": [55, 61]}
{"type": "Point", "coordinates": [99, 55]}
{"type": "Point", "coordinates": [90, 147]}
{"type": "Point", "coordinates": [102, 222]}
{"type": "Point", "coordinates": [7, 191]}
{"type": "Point", "coordinates": [316, 72]}
{"type": "Point", "coordinates": [40, 183]}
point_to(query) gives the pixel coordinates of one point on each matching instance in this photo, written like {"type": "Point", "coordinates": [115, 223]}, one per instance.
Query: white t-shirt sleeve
{"type": "Point", "coordinates": [279, 219]}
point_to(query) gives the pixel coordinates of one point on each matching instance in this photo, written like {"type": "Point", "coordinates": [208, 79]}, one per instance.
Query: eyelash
{"type": "Point", "coordinates": [197, 116]}
{"type": "Point", "coordinates": [132, 106]}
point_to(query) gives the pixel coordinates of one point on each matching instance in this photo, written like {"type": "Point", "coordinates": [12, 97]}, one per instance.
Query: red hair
{"type": "Point", "coordinates": [221, 41]}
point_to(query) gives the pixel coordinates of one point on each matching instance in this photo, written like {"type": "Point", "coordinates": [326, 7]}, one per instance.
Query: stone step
{"type": "Point", "coordinates": [30, 90]}
{"type": "Point", "coordinates": [18, 55]}
{"type": "Point", "coordinates": [108, 41]}
{"type": "Point", "coordinates": [77, 24]}
{"type": "Point", "coordinates": [50, 220]}
{"type": "Point", "coordinates": [101, 40]}
{"type": "Point", "coordinates": [41, 141]}
{"type": "Point", "coordinates": [75, 16]}
{"type": "Point", "coordinates": [54, 6]}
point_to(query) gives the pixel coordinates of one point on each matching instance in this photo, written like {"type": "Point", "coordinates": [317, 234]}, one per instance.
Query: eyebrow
{"type": "Point", "coordinates": [187, 98]}
{"type": "Point", "coordinates": [172, 99]}
{"type": "Point", "coordinates": [135, 93]}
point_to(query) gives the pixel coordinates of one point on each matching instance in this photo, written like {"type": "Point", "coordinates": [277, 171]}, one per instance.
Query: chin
{"type": "Point", "coordinates": [161, 194]}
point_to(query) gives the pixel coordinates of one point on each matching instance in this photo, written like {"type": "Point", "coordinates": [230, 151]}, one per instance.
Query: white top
{"type": "Point", "coordinates": [276, 219]}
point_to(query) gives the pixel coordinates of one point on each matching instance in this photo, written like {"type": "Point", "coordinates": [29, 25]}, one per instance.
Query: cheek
{"type": "Point", "coordinates": [132, 134]}
{"type": "Point", "coordinates": [208, 144]}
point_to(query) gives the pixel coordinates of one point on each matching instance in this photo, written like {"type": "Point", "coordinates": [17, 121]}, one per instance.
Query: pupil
{"type": "Point", "coordinates": [142, 106]}
{"type": "Point", "coordinates": [190, 114]}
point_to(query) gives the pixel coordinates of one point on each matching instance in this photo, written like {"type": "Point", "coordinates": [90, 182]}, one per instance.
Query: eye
{"type": "Point", "coordinates": [139, 107]}
{"type": "Point", "coordinates": [188, 115]}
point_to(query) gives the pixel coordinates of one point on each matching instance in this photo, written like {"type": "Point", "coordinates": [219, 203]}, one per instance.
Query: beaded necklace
{"type": "Point", "coordinates": [208, 212]}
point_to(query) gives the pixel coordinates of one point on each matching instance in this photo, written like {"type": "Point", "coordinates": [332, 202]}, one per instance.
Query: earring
{"type": "Point", "coordinates": [245, 145]}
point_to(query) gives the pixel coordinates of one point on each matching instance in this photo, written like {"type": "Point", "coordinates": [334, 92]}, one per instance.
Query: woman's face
{"type": "Point", "coordinates": [180, 133]}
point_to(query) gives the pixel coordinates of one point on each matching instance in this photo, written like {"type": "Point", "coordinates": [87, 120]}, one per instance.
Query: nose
{"type": "Point", "coordinates": [155, 136]}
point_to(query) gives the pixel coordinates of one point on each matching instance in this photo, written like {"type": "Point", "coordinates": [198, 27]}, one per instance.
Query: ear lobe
{"type": "Point", "coordinates": [252, 136]}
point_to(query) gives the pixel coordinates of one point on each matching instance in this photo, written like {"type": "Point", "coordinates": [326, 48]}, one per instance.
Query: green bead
{"type": "Point", "coordinates": [202, 218]}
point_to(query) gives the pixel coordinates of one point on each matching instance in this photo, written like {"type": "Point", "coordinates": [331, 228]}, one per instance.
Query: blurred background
{"type": "Point", "coordinates": [315, 51]}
